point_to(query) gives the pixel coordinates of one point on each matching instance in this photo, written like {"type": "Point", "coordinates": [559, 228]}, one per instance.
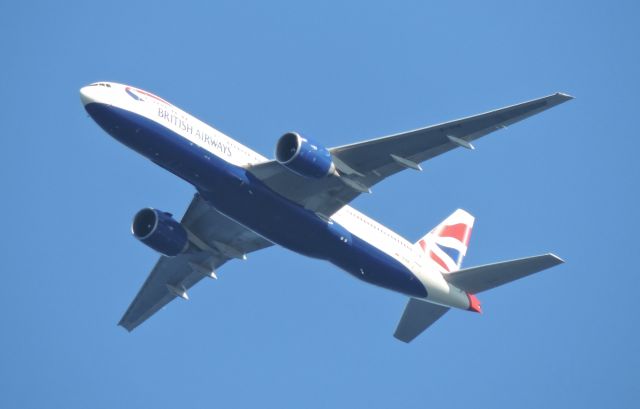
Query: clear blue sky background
{"type": "Point", "coordinates": [280, 330]}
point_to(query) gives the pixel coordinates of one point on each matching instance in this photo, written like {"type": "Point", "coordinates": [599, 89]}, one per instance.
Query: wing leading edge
{"type": "Point", "coordinates": [220, 240]}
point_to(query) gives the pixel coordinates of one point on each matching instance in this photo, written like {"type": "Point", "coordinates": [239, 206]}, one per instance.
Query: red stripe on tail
{"type": "Point", "coordinates": [457, 231]}
{"type": "Point", "coordinates": [438, 260]}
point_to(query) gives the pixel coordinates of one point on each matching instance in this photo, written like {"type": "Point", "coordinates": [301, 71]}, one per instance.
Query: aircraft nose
{"type": "Point", "coordinates": [87, 95]}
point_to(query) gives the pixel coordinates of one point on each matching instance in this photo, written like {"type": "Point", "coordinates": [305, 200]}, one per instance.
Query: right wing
{"type": "Point", "coordinates": [477, 279]}
{"type": "Point", "coordinates": [219, 238]}
{"type": "Point", "coordinates": [363, 164]}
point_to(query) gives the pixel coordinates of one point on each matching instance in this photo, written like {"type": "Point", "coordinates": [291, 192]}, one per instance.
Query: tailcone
{"type": "Point", "coordinates": [474, 304]}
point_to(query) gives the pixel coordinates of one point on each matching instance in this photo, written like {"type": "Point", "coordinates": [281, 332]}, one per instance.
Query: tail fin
{"type": "Point", "coordinates": [446, 245]}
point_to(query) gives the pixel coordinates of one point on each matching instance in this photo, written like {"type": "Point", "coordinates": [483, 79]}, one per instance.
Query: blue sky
{"type": "Point", "coordinates": [280, 330]}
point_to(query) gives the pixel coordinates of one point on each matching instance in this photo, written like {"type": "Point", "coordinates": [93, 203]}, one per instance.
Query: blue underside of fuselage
{"type": "Point", "coordinates": [238, 194]}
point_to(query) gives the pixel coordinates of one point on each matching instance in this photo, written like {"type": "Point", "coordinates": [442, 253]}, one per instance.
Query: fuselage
{"type": "Point", "coordinates": [218, 167]}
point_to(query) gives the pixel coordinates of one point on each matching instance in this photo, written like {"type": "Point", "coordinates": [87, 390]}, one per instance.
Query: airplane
{"type": "Point", "coordinates": [245, 202]}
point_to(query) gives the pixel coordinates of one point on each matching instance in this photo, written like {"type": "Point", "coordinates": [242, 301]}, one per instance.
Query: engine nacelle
{"type": "Point", "coordinates": [304, 157]}
{"type": "Point", "coordinates": [160, 231]}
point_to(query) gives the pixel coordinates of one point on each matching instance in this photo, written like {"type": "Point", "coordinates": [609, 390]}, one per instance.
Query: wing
{"type": "Point", "coordinates": [363, 164]}
{"type": "Point", "coordinates": [219, 240]}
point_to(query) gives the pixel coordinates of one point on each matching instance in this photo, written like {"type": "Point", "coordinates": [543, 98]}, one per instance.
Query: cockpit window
{"type": "Point", "coordinates": [100, 84]}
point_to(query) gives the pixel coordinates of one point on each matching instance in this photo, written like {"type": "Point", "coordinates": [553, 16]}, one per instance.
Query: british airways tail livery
{"type": "Point", "coordinates": [246, 202]}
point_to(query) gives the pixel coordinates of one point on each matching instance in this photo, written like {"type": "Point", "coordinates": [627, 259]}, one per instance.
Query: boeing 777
{"type": "Point", "coordinates": [245, 202]}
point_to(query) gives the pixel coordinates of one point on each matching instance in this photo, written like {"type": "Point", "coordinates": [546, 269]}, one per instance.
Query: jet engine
{"type": "Point", "coordinates": [160, 231]}
{"type": "Point", "coordinates": [304, 157]}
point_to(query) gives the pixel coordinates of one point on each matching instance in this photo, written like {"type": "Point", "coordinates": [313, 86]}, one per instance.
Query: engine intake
{"type": "Point", "coordinates": [160, 231]}
{"type": "Point", "coordinates": [303, 156]}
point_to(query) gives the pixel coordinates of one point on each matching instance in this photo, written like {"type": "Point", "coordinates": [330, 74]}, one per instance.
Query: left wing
{"type": "Point", "coordinates": [218, 238]}
{"type": "Point", "coordinates": [363, 164]}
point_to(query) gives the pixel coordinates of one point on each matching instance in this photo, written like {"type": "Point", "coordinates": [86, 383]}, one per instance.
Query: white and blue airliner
{"type": "Point", "coordinates": [300, 200]}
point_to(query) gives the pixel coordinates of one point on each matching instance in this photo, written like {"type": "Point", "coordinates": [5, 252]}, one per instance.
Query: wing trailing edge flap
{"type": "Point", "coordinates": [477, 279]}
{"type": "Point", "coordinates": [418, 316]}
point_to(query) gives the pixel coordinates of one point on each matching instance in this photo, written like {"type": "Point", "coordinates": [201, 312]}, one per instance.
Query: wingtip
{"type": "Point", "coordinates": [564, 96]}
{"type": "Point", "coordinates": [127, 328]}
{"type": "Point", "coordinates": [399, 337]}
{"type": "Point", "coordinates": [556, 258]}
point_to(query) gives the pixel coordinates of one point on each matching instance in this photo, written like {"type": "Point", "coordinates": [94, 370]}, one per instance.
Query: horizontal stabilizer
{"type": "Point", "coordinates": [477, 279]}
{"type": "Point", "coordinates": [418, 316]}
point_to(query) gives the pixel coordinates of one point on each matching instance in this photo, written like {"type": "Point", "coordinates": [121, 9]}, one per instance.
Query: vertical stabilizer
{"type": "Point", "coordinates": [446, 245]}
